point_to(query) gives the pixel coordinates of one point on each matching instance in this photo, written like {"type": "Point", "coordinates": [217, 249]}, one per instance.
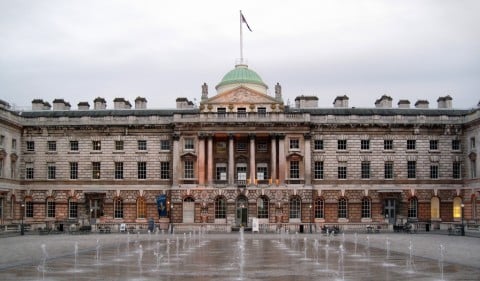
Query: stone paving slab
{"type": "Point", "coordinates": [27, 249]}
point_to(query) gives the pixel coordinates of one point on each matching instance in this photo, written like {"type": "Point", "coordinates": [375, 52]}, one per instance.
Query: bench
{"type": "Point", "coordinates": [105, 229]}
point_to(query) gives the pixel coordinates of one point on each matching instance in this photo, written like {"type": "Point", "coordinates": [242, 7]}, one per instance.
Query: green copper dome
{"type": "Point", "coordinates": [241, 75]}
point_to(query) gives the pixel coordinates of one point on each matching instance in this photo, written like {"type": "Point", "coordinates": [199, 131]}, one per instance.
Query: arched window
{"type": "Point", "coordinates": [457, 207]}
{"type": "Point", "coordinates": [413, 208]}
{"type": "Point", "coordinates": [366, 208]}
{"type": "Point", "coordinates": [435, 208]}
{"type": "Point", "coordinates": [342, 208]}
{"type": "Point", "coordinates": [141, 208]}
{"type": "Point", "coordinates": [12, 206]}
{"type": "Point", "coordinates": [319, 208]}
{"type": "Point", "coordinates": [474, 207]}
{"type": "Point", "coordinates": [118, 208]}
{"type": "Point", "coordinates": [262, 207]}
{"type": "Point", "coordinates": [28, 207]}
{"type": "Point", "coordinates": [220, 208]}
{"type": "Point", "coordinates": [295, 207]}
{"type": "Point", "coordinates": [72, 208]}
{"type": "Point", "coordinates": [50, 207]}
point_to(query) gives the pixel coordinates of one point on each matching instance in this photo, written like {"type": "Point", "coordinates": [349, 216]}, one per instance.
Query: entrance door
{"type": "Point", "coordinates": [389, 210]}
{"type": "Point", "coordinates": [242, 212]}
{"type": "Point", "coordinates": [188, 210]}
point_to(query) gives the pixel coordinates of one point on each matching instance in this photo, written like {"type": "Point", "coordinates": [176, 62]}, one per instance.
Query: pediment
{"type": "Point", "coordinates": [241, 95]}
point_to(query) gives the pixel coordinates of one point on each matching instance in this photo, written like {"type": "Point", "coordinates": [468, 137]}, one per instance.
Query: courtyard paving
{"type": "Point", "coordinates": [21, 250]}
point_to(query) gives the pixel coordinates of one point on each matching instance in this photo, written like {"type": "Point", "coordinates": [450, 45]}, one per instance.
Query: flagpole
{"type": "Point", "coordinates": [241, 38]}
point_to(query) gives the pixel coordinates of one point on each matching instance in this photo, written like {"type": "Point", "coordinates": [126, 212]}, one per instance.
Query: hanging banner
{"type": "Point", "coordinates": [162, 205]}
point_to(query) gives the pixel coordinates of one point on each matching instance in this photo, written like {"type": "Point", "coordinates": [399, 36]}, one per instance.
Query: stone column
{"type": "Point", "coordinates": [253, 174]}
{"type": "Point", "coordinates": [210, 160]}
{"type": "Point", "coordinates": [282, 165]}
{"type": "Point", "coordinates": [308, 159]}
{"type": "Point", "coordinates": [201, 159]}
{"type": "Point", "coordinates": [273, 158]}
{"type": "Point", "coordinates": [231, 160]}
{"type": "Point", "coordinates": [176, 159]}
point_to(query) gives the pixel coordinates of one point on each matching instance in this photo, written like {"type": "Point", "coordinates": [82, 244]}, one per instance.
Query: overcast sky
{"type": "Point", "coordinates": [161, 50]}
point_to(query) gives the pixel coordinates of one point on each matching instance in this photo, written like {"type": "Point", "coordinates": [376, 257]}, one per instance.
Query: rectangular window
{"type": "Point", "coordinates": [30, 146]}
{"type": "Point", "coordinates": [455, 144]}
{"type": "Point", "coordinates": [164, 170]}
{"type": "Point", "coordinates": [72, 209]}
{"type": "Point", "coordinates": [1, 167]}
{"type": "Point", "coordinates": [50, 209]}
{"type": "Point", "coordinates": [318, 170]}
{"type": "Point", "coordinates": [472, 143]}
{"type": "Point", "coordinates": [262, 146]}
{"type": "Point", "coordinates": [2, 140]}
{"type": "Point", "coordinates": [118, 170]}
{"type": "Point", "coordinates": [433, 144]}
{"type": "Point", "coordinates": [96, 171]}
{"type": "Point", "coordinates": [51, 171]}
{"type": "Point", "coordinates": [142, 145]}
{"type": "Point", "coordinates": [188, 170]}
{"type": "Point", "coordinates": [341, 144]}
{"type": "Point", "coordinates": [73, 145]}
{"type": "Point", "coordinates": [342, 170]}
{"type": "Point", "coordinates": [96, 145]}
{"type": "Point", "coordinates": [14, 144]}
{"type": "Point", "coordinates": [29, 209]}
{"type": "Point", "coordinates": [365, 169]}
{"type": "Point", "coordinates": [411, 144]}
{"type": "Point", "coordinates": [294, 170]}
{"type": "Point", "coordinates": [434, 171]}
{"type": "Point", "coordinates": [318, 144]}
{"type": "Point", "coordinates": [165, 145]}
{"type": "Point", "coordinates": [119, 145]}
{"type": "Point", "coordinates": [241, 146]}
{"type": "Point", "coordinates": [411, 169]}
{"type": "Point", "coordinates": [142, 170]}
{"type": "Point", "coordinates": [52, 146]}
{"type": "Point", "coordinates": [388, 170]}
{"type": "Point", "coordinates": [294, 144]}
{"type": "Point", "coordinates": [262, 171]}
{"type": "Point", "coordinates": [189, 144]}
{"type": "Point", "coordinates": [456, 170]}
{"type": "Point", "coordinates": [221, 172]}
{"type": "Point", "coordinates": [364, 144]}
{"type": "Point", "coordinates": [387, 144]}
{"type": "Point", "coordinates": [73, 170]}
{"type": "Point", "coordinates": [29, 171]}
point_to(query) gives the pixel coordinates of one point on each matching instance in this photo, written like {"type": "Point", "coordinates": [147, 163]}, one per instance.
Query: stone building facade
{"type": "Point", "coordinates": [237, 155]}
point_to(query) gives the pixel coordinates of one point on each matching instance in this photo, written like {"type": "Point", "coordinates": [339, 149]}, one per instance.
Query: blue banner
{"type": "Point", "coordinates": [162, 205]}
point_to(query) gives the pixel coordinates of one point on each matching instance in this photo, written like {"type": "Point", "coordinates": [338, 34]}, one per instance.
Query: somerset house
{"type": "Point", "coordinates": [240, 155]}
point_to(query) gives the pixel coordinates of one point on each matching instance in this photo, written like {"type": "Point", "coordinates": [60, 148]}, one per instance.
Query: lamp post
{"type": "Point", "coordinates": [463, 225]}
{"type": "Point", "coordinates": [22, 227]}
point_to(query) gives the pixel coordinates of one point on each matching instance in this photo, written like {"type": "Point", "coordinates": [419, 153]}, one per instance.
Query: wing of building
{"type": "Point", "coordinates": [237, 155]}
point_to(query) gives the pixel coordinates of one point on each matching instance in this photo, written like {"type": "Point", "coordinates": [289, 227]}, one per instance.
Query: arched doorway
{"type": "Point", "coordinates": [242, 211]}
{"type": "Point", "coordinates": [188, 210]}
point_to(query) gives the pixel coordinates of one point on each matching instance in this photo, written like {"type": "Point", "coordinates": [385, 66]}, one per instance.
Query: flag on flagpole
{"type": "Point", "coordinates": [244, 21]}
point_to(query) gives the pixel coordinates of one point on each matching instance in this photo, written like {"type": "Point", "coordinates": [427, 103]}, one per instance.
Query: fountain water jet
{"type": "Point", "coordinates": [441, 261]}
